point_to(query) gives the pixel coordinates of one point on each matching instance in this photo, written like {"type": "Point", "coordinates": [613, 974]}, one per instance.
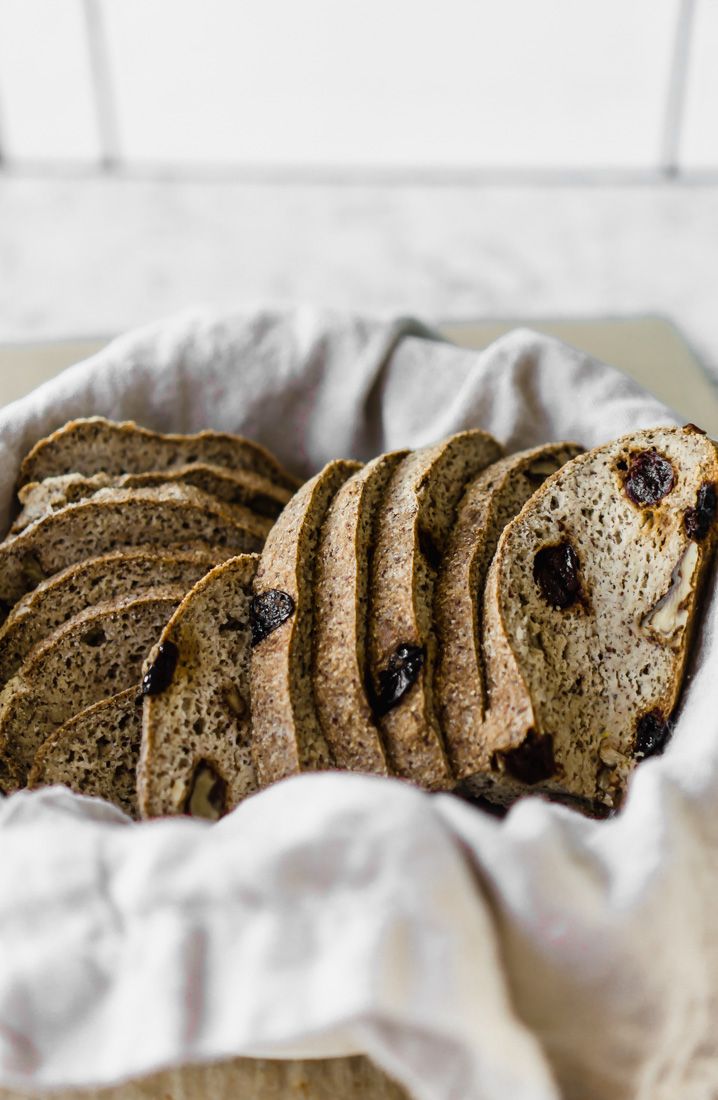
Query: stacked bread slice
{"type": "Point", "coordinates": [452, 616]}
{"type": "Point", "coordinates": [116, 525]}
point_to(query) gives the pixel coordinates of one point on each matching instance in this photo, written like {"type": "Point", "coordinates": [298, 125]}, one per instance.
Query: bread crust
{"type": "Point", "coordinates": [287, 737]}
{"type": "Point", "coordinates": [253, 500]}
{"type": "Point", "coordinates": [204, 715]}
{"type": "Point", "coordinates": [340, 600]}
{"type": "Point", "coordinates": [487, 505]}
{"type": "Point", "coordinates": [587, 675]}
{"type": "Point", "coordinates": [417, 513]}
{"type": "Point", "coordinates": [112, 520]}
{"type": "Point", "coordinates": [93, 655]}
{"type": "Point", "coordinates": [91, 444]}
{"type": "Point", "coordinates": [93, 581]}
{"type": "Point", "coordinates": [95, 753]}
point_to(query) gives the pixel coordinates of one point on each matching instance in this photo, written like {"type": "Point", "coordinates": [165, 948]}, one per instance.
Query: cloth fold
{"type": "Point", "coordinates": [540, 956]}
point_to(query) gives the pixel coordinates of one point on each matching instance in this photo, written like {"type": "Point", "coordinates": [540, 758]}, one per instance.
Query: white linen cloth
{"type": "Point", "coordinates": [537, 957]}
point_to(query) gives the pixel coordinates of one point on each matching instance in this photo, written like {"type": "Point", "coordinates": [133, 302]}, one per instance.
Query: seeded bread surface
{"type": "Point", "coordinates": [117, 519]}
{"type": "Point", "coordinates": [341, 596]}
{"type": "Point", "coordinates": [96, 752]}
{"type": "Point", "coordinates": [287, 737]}
{"type": "Point", "coordinates": [570, 688]}
{"type": "Point", "coordinates": [202, 720]}
{"type": "Point", "coordinates": [96, 580]}
{"type": "Point", "coordinates": [489, 502]}
{"type": "Point", "coordinates": [253, 500]}
{"type": "Point", "coordinates": [92, 656]}
{"type": "Point", "coordinates": [95, 444]}
{"type": "Point", "coordinates": [417, 513]}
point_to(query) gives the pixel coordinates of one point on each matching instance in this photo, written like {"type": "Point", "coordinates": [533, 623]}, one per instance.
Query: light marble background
{"type": "Point", "coordinates": [519, 159]}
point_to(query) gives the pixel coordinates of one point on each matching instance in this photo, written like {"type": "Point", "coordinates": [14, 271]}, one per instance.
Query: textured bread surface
{"type": "Point", "coordinates": [286, 736]}
{"type": "Point", "coordinates": [354, 1078]}
{"type": "Point", "coordinates": [116, 519]}
{"type": "Point", "coordinates": [96, 752]}
{"type": "Point", "coordinates": [416, 515]}
{"type": "Point", "coordinates": [91, 445]}
{"type": "Point", "coordinates": [572, 687]}
{"type": "Point", "coordinates": [93, 581]}
{"type": "Point", "coordinates": [341, 593]}
{"type": "Point", "coordinates": [92, 656]}
{"type": "Point", "coordinates": [487, 505]}
{"type": "Point", "coordinates": [203, 718]}
{"type": "Point", "coordinates": [252, 499]}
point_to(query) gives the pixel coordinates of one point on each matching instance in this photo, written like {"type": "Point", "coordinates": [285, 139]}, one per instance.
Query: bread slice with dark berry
{"type": "Point", "coordinates": [247, 495]}
{"type": "Point", "coordinates": [93, 581]}
{"type": "Point", "coordinates": [287, 737]}
{"type": "Point", "coordinates": [96, 752]}
{"type": "Point", "coordinates": [341, 593]}
{"type": "Point", "coordinates": [94, 444]}
{"type": "Point", "coordinates": [589, 609]}
{"type": "Point", "coordinates": [196, 740]}
{"type": "Point", "coordinates": [416, 515]}
{"type": "Point", "coordinates": [92, 656]}
{"type": "Point", "coordinates": [114, 519]}
{"type": "Point", "coordinates": [488, 504]}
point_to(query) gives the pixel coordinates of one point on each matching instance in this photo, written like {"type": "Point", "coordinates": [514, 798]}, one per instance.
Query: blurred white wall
{"type": "Point", "coordinates": [309, 85]}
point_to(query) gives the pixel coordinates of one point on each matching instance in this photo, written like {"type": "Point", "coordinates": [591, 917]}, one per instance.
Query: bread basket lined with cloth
{"type": "Point", "coordinates": [338, 916]}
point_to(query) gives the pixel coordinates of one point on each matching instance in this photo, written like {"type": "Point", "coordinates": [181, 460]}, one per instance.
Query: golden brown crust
{"type": "Point", "coordinates": [93, 581]}
{"type": "Point", "coordinates": [93, 443]}
{"type": "Point", "coordinates": [204, 715]}
{"type": "Point", "coordinates": [96, 654]}
{"type": "Point", "coordinates": [113, 520]}
{"type": "Point", "coordinates": [487, 505]}
{"type": "Point", "coordinates": [95, 753]}
{"type": "Point", "coordinates": [287, 737]}
{"type": "Point", "coordinates": [417, 512]}
{"type": "Point", "coordinates": [589, 675]}
{"type": "Point", "coordinates": [340, 600]}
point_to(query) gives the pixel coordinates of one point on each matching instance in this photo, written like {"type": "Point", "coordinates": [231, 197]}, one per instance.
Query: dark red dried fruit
{"type": "Point", "coordinates": [159, 675]}
{"type": "Point", "coordinates": [652, 733]}
{"type": "Point", "coordinates": [556, 573]}
{"type": "Point", "coordinates": [698, 520]}
{"type": "Point", "coordinates": [649, 479]}
{"type": "Point", "coordinates": [533, 761]}
{"type": "Point", "coordinates": [400, 674]}
{"type": "Point", "coordinates": [268, 611]}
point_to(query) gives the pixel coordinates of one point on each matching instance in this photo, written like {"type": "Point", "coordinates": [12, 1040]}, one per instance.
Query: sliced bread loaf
{"type": "Point", "coordinates": [93, 581]}
{"type": "Point", "coordinates": [96, 654]}
{"type": "Point", "coordinates": [588, 612]}
{"type": "Point", "coordinates": [96, 752]}
{"type": "Point", "coordinates": [341, 593]}
{"type": "Point", "coordinates": [95, 444]}
{"type": "Point", "coordinates": [488, 503]}
{"type": "Point", "coordinates": [417, 513]}
{"type": "Point", "coordinates": [196, 738]}
{"type": "Point", "coordinates": [252, 499]}
{"type": "Point", "coordinates": [117, 519]}
{"type": "Point", "coordinates": [286, 736]}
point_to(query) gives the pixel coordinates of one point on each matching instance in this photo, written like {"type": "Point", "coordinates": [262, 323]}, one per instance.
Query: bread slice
{"type": "Point", "coordinates": [251, 498]}
{"type": "Point", "coordinates": [96, 654]}
{"type": "Point", "coordinates": [117, 519]}
{"type": "Point", "coordinates": [341, 592]}
{"type": "Point", "coordinates": [196, 738]}
{"type": "Point", "coordinates": [417, 513]}
{"type": "Point", "coordinates": [286, 734]}
{"type": "Point", "coordinates": [589, 608]}
{"type": "Point", "coordinates": [93, 581]}
{"type": "Point", "coordinates": [95, 444]}
{"type": "Point", "coordinates": [488, 503]}
{"type": "Point", "coordinates": [96, 752]}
